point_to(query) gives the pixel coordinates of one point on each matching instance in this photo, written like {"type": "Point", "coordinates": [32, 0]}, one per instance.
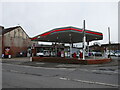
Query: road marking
{"type": "Point", "coordinates": [71, 69]}
{"type": "Point", "coordinates": [40, 67]}
{"type": "Point", "coordinates": [63, 78]}
{"type": "Point", "coordinates": [99, 71]}
{"type": "Point", "coordinates": [115, 72]}
{"type": "Point", "coordinates": [40, 63]}
{"type": "Point", "coordinates": [14, 71]}
{"type": "Point", "coordinates": [84, 69]}
{"type": "Point", "coordinates": [90, 82]}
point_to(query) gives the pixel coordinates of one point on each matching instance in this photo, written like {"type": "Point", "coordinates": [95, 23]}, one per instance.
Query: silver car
{"type": "Point", "coordinates": [117, 54]}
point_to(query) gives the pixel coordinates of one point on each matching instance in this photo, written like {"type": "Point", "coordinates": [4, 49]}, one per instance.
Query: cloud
{"type": "Point", "coordinates": [39, 17]}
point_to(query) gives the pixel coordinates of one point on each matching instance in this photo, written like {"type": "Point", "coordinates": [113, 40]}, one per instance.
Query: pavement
{"type": "Point", "coordinates": [26, 61]}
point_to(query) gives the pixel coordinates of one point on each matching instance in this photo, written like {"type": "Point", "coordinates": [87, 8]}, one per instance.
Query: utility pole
{"type": "Point", "coordinates": [109, 41]}
{"type": "Point", "coordinates": [84, 40]}
{"type": "Point", "coordinates": [2, 33]}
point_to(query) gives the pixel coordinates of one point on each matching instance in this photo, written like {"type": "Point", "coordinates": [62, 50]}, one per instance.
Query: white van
{"type": "Point", "coordinates": [43, 53]}
{"type": "Point", "coordinates": [40, 53]}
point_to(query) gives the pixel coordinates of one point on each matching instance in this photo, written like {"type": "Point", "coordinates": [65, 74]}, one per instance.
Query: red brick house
{"type": "Point", "coordinates": [15, 41]}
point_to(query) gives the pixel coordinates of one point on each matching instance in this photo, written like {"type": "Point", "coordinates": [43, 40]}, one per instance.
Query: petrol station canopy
{"type": "Point", "coordinates": [68, 35]}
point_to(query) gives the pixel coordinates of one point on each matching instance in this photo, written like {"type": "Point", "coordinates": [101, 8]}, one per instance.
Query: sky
{"type": "Point", "coordinates": [39, 17]}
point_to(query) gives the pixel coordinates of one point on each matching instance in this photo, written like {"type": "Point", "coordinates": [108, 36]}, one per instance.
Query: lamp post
{"type": "Point", "coordinates": [2, 33]}
{"type": "Point", "coordinates": [84, 40]}
{"type": "Point", "coordinates": [109, 41]}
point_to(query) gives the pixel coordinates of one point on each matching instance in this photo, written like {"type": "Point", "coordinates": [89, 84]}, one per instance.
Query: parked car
{"type": "Point", "coordinates": [111, 53]}
{"type": "Point", "coordinates": [52, 54]}
{"type": "Point", "coordinates": [86, 54]}
{"type": "Point", "coordinates": [96, 53]}
{"type": "Point", "coordinates": [117, 54]}
{"type": "Point", "coordinates": [46, 53]}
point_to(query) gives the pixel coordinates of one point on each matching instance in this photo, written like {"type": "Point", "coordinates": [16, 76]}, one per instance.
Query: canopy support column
{"type": "Point", "coordinates": [71, 44]}
{"type": "Point", "coordinates": [70, 50]}
{"type": "Point", "coordinates": [56, 49]}
{"type": "Point", "coordinates": [88, 47]}
{"type": "Point", "coordinates": [84, 47]}
{"type": "Point", "coordinates": [84, 40]}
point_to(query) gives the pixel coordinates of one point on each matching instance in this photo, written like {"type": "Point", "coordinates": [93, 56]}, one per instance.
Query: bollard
{"type": "Point", "coordinates": [30, 59]}
{"type": "Point", "coordinates": [9, 56]}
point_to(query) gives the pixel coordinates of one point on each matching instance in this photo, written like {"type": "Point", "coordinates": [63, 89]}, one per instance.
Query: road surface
{"type": "Point", "coordinates": [22, 76]}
